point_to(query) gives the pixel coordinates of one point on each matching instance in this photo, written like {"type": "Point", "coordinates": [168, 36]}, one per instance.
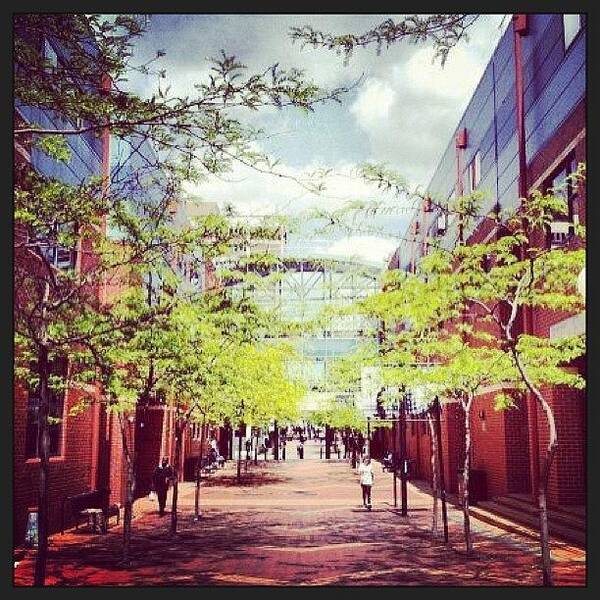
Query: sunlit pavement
{"type": "Point", "coordinates": [299, 522]}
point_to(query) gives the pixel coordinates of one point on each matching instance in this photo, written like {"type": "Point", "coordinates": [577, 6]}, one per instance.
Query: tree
{"type": "Point", "coordinates": [262, 388]}
{"type": "Point", "coordinates": [200, 366]}
{"type": "Point", "coordinates": [526, 272]}
{"type": "Point", "coordinates": [444, 31]}
{"type": "Point", "coordinates": [462, 309]}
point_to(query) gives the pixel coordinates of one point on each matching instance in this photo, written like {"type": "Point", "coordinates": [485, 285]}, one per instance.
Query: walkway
{"type": "Point", "coordinates": [299, 522]}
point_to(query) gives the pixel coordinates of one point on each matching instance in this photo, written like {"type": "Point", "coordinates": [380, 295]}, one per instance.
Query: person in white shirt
{"type": "Point", "coordinates": [365, 470]}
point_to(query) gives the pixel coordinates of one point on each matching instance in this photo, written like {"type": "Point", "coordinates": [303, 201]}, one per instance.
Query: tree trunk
{"type": "Point", "coordinates": [199, 473]}
{"type": "Point", "coordinates": [128, 512]}
{"type": "Point", "coordinates": [466, 466]}
{"type": "Point", "coordinates": [179, 429]}
{"type": "Point", "coordinates": [435, 481]}
{"type": "Point", "coordinates": [256, 449]}
{"type": "Point", "coordinates": [239, 460]}
{"type": "Point", "coordinates": [44, 453]}
{"type": "Point", "coordinates": [544, 472]}
{"type": "Point", "coordinates": [130, 459]}
{"type": "Point", "coordinates": [543, 493]}
{"type": "Point", "coordinates": [543, 487]}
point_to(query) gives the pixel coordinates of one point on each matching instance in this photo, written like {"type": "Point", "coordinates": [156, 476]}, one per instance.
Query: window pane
{"type": "Point", "coordinates": [572, 24]}
{"type": "Point", "coordinates": [56, 406]}
{"type": "Point", "coordinates": [477, 168]}
{"type": "Point", "coordinates": [50, 54]}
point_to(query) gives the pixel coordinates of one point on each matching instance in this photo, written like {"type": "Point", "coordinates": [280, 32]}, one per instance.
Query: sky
{"type": "Point", "coordinates": [402, 112]}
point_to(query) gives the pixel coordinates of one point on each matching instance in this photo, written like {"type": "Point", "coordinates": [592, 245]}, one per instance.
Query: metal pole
{"type": "Point", "coordinates": [276, 449]}
{"type": "Point", "coordinates": [403, 460]}
{"type": "Point", "coordinates": [438, 427]}
{"type": "Point", "coordinates": [256, 449]}
{"type": "Point", "coordinates": [368, 436]}
{"type": "Point", "coordinates": [239, 461]}
{"type": "Point", "coordinates": [395, 460]}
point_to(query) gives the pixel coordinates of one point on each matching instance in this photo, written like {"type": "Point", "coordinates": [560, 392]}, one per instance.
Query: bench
{"type": "Point", "coordinates": [91, 499]}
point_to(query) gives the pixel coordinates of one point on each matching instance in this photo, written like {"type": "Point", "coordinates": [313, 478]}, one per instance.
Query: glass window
{"type": "Point", "coordinates": [571, 27]}
{"type": "Point", "coordinates": [59, 256]}
{"type": "Point", "coordinates": [474, 173]}
{"type": "Point", "coordinates": [562, 228]}
{"type": "Point", "coordinates": [50, 56]}
{"type": "Point", "coordinates": [32, 434]}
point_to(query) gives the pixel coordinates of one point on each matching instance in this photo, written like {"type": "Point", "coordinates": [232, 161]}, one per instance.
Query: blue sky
{"type": "Point", "coordinates": [402, 113]}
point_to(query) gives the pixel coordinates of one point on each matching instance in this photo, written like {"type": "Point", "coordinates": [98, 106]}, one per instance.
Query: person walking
{"type": "Point", "coordinates": [365, 470]}
{"type": "Point", "coordinates": [301, 449]}
{"type": "Point", "coordinates": [161, 479]}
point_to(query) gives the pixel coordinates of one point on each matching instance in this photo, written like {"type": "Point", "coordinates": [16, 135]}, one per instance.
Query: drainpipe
{"type": "Point", "coordinates": [460, 144]}
{"type": "Point", "coordinates": [105, 87]}
{"type": "Point", "coordinates": [519, 31]}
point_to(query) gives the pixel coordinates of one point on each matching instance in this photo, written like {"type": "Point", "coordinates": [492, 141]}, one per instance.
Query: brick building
{"type": "Point", "coordinates": [75, 442]}
{"type": "Point", "coordinates": [523, 129]}
{"type": "Point", "coordinates": [86, 449]}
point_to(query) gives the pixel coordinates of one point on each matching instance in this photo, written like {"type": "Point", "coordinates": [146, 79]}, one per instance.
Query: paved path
{"type": "Point", "coordinates": [299, 522]}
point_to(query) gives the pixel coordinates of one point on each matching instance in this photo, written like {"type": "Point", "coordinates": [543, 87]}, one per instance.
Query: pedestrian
{"type": "Point", "coordinates": [161, 479]}
{"type": "Point", "coordinates": [365, 470]}
{"type": "Point", "coordinates": [248, 448]}
{"type": "Point", "coordinates": [388, 461]}
{"type": "Point", "coordinates": [301, 449]}
{"type": "Point", "coordinates": [263, 450]}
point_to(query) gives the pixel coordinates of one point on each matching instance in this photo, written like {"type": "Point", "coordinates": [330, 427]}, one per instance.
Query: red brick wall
{"type": "Point", "coordinates": [489, 451]}
{"type": "Point", "coordinates": [117, 475]}
{"type": "Point", "coordinates": [453, 443]}
{"type": "Point", "coordinates": [149, 431]}
{"type": "Point", "coordinates": [567, 475]}
{"type": "Point", "coordinates": [517, 448]}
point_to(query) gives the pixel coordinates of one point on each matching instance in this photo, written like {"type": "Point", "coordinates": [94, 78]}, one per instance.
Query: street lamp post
{"type": "Point", "coordinates": [256, 446]}
{"type": "Point", "coordinates": [403, 459]}
{"type": "Point", "coordinates": [395, 458]}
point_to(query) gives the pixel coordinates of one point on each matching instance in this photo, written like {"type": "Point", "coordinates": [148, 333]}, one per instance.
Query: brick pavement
{"type": "Point", "coordinates": [299, 523]}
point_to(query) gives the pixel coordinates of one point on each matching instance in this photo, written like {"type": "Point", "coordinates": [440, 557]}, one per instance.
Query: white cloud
{"type": "Point", "coordinates": [252, 192]}
{"type": "Point", "coordinates": [403, 112]}
{"type": "Point", "coordinates": [363, 248]}
{"type": "Point", "coordinates": [372, 106]}
{"type": "Point", "coordinates": [454, 81]}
